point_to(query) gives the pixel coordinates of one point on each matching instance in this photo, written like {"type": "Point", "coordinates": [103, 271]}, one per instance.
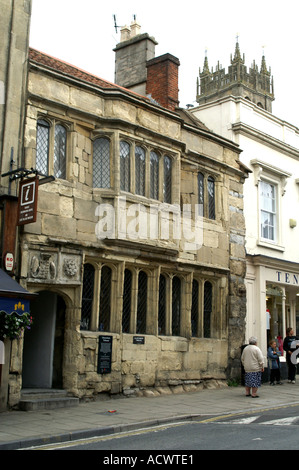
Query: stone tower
{"type": "Point", "coordinates": [255, 85]}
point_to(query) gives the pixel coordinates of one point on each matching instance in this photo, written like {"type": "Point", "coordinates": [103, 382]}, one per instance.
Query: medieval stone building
{"type": "Point", "coordinates": [137, 253]}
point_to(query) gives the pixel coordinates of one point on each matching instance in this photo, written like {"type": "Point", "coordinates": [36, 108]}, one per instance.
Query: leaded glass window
{"type": "Point", "coordinates": [208, 302]}
{"type": "Point", "coordinates": [167, 180]}
{"type": "Point", "coordinates": [211, 197]}
{"type": "Point", "coordinates": [139, 171]}
{"type": "Point", "coordinates": [154, 175]}
{"type": "Point", "coordinates": [60, 152]}
{"type": "Point", "coordinates": [194, 308]}
{"type": "Point", "coordinates": [42, 146]}
{"type": "Point", "coordinates": [127, 296]}
{"type": "Point", "coordinates": [87, 296]}
{"type": "Point", "coordinates": [162, 306]}
{"type": "Point", "coordinates": [101, 163]}
{"type": "Point", "coordinates": [124, 166]}
{"type": "Point", "coordinates": [141, 303]}
{"type": "Point", "coordinates": [201, 198]}
{"type": "Point", "coordinates": [176, 306]}
{"type": "Point", "coordinates": [105, 299]}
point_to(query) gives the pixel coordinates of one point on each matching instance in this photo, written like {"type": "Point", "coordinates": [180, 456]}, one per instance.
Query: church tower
{"type": "Point", "coordinates": [253, 85]}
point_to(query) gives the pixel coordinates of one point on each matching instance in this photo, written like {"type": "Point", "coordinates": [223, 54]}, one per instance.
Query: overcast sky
{"type": "Point", "coordinates": [83, 34]}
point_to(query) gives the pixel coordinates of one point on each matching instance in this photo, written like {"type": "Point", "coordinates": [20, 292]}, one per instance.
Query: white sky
{"type": "Point", "coordinates": [83, 34]}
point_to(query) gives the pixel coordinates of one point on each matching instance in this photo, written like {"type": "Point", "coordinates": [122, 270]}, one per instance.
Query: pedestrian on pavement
{"type": "Point", "coordinates": [253, 362]}
{"type": "Point", "coordinates": [274, 363]}
{"type": "Point", "coordinates": [289, 350]}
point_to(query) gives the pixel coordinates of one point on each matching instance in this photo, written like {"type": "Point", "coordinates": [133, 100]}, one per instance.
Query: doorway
{"type": "Point", "coordinates": [44, 343]}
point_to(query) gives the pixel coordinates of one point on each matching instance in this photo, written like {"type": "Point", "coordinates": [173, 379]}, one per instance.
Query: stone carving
{"type": "Point", "coordinates": [42, 267]}
{"type": "Point", "coordinates": [70, 267]}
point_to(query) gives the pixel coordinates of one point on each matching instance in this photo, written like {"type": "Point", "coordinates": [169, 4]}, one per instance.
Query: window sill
{"type": "Point", "coordinates": [271, 245]}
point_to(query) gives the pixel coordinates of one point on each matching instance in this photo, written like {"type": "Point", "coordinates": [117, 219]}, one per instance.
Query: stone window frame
{"type": "Point", "coordinates": [204, 201]}
{"type": "Point", "coordinates": [162, 153]}
{"type": "Point", "coordinates": [214, 327]}
{"type": "Point", "coordinates": [95, 313]}
{"type": "Point", "coordinates": [97, 139]}
{"type": "Point", "coordinates": [53, 123]}
{"type": "Point", "coordinates": [152, 302]}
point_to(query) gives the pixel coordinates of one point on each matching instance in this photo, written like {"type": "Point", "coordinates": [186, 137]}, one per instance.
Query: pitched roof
{"type": "Point", "coordinates": [58, 65]}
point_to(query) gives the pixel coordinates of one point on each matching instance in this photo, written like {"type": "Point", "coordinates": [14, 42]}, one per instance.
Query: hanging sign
{"type": "Point", "coordinates": [27, 207]}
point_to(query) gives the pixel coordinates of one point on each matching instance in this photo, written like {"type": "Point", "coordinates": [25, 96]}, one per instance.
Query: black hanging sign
{"type": "Point", "coordinates": [105, 354]}
{"type": "Point", "coordinates": [27, 207]}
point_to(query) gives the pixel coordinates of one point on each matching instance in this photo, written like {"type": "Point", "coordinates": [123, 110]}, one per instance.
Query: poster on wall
{"type": "Point", "coordinates": [105, 355]}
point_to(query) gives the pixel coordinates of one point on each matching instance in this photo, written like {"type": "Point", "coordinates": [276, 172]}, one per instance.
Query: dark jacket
{"type": "Point", "coordinates": [287, 343]}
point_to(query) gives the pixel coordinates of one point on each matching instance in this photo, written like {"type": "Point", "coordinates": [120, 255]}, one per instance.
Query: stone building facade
{"type": "Point", "coordinates": [138, 247]}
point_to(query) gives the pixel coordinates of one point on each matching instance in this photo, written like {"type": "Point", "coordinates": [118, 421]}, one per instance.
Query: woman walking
{"type": "Point", "coordinates": [253, 363]}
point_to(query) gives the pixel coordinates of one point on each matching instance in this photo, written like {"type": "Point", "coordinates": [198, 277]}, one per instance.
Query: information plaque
{"type": "Point", "coordinates": [105, 354]}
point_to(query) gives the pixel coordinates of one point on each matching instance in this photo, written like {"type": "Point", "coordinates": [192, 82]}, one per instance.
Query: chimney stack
{"type": "Point", "coordinates": [163, 80]}
{"type": "Point", "coordinates": [137, 68]}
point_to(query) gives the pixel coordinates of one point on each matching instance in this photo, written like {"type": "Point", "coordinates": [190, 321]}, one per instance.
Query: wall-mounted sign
{"type": "Point", "coordinates": [27, 207]}
{"type": "Point", "coordinates": [105, 354]}
{"type": "Point", "coordinates": [138, 340]}
{"type": "Point", "coordinates": [9, 261]}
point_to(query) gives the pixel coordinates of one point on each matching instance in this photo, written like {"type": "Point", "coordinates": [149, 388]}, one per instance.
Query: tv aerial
{"type": "Point", "coordinates": [116, 25]}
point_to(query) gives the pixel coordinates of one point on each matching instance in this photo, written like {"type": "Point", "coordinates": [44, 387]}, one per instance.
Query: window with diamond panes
{"type": "Point", "coordinates": [87, 296]}
{"type": "Point", "coordinates": [42, 146]}
{"type": "Point", "coordinates": [211, 196]}
{"type": "Point", "coordinates": [176, 306]}
{"type": "Point", "coordinates": [167, 180]}
{"type": "Point", "coordinates": [139, 171]}
{"type": "Point", "coordinates": [208, 303]}
{"type": "Point", "coordinates": [105, 299]}
{"type": "Point", "coordinates": [201, 199]}
{"type": "Point", "coordinates": [101, 163]}
{"type": "Point", "coordinates": [127, 296]}
{"type": "Point", "coordinates": [194, 308]}
{"type": "Point", "coordinates": [154, 175]}
{"type": "Point", "coordinates": [162, 306]}
{"type": "Point", "coordinates": [125, 166]}
{"type": "Point", "coordinates": [60, 152]}
{"type": "Point", "coordinates": [141, 303]}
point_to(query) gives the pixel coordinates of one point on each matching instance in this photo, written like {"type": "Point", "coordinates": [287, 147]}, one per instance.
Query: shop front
{"type": "Point", "coordinates": [272, 300]}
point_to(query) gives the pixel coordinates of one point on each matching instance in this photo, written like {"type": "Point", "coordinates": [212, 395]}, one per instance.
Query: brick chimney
{"type": "Point", "coordinates": [163, 80]}
{"type": "Point", "coordinates": [137, 68]}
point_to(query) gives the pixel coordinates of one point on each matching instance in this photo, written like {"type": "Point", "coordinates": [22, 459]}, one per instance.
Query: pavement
{"type": "Point", "coordinates": [28, 429]}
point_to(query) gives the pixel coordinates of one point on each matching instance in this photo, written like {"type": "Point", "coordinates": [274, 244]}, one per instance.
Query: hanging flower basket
{"type": "Point", "coordinates": [12, 325]}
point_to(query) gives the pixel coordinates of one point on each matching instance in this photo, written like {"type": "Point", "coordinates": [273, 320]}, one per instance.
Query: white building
{"type": "Point", "coordinates": [237, 106]}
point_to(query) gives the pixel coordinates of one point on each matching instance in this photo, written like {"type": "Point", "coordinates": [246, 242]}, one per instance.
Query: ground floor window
{"type": "Point", "coordinates": [131, 300]}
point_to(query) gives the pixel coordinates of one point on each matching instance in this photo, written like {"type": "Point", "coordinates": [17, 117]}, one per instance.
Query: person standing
{"type": "Point", "coordinates": [274, 363]}
{"type": "Point", "coordinates": [287, 348]}
{"type": "Point", "coordinates": [253, 363]}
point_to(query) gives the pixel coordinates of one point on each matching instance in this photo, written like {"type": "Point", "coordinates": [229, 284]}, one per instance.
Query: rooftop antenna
{"type": "Point", "coordinates": [115, 24]}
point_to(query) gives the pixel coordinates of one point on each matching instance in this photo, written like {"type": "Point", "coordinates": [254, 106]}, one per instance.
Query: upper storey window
{"type": "Point", "coordinates": [125, 166]}
{"type": "Point", "coordinates": [51, 140]}
{"type": "Point", "coordinates": [206, 196]}
{"type": "Point", "coordinates": [268, 214]}
{"type": "Point", "coordinates": [101, 163]}
{"type": "Point", "coordinates": [145, 172]}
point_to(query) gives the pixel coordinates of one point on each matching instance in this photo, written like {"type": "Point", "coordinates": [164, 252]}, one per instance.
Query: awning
{"type": "Point", "coordinates": [13, 297]}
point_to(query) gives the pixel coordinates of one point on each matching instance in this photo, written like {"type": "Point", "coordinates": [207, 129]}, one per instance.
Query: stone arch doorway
{"type": "Point", "coordinates": [44, 343]}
